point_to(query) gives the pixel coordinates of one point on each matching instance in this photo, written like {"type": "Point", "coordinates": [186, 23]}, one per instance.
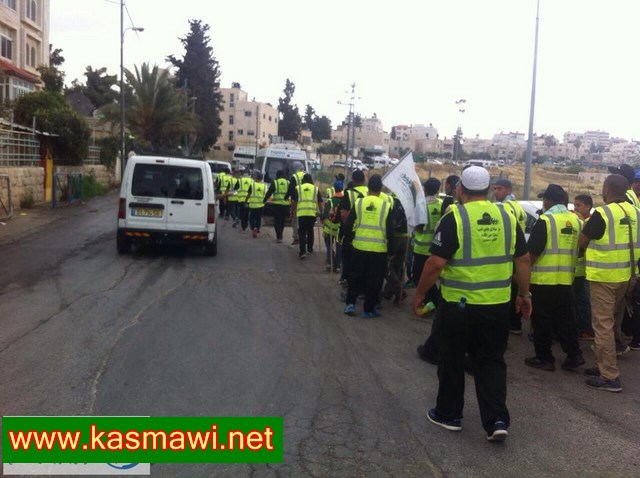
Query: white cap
{"type": "Point", "coordinates": [475, 178]}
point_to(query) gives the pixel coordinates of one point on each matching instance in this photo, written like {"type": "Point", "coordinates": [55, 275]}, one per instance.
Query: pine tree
{"type": "Point", "coordinates": [290, 121]}
{"type": "Point", "coordinates": [198, 73]}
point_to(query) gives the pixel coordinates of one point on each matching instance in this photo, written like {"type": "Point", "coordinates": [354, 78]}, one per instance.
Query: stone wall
{"type": "Point", "coordinates": [27, 181]}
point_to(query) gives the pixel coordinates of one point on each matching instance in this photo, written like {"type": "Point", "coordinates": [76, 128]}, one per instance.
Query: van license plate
{"type": "Point", "coordinates": [146, 212]}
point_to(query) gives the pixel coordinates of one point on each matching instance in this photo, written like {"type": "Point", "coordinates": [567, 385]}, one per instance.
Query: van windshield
{"type": "Point", "coordinates": [175, 182]}
{"type": "Point", "coordinates": [219, 167]}
{"type": "Point", "coordinates": [274, 164]}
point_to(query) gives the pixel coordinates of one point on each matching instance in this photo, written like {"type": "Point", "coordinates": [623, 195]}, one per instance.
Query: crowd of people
{"type": "Point", "coordinates": [474, 271]}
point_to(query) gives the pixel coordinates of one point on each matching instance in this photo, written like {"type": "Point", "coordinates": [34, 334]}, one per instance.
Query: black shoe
{"type": "Point", "coordinates": [535, 362]}
{"type": "Point", "coordinates": [423, 356]}
{"type": "Point", "coordinates": [499, 432]}
{"type": "Point", "coordinates": [634, 345]}
{"type": "Point", "coordinates": [454, 425]}
{"type": "Point", "coordinates": [592, 371]}
{"type": "Point", "coordinates": [515, 330]}
{"type": "Point", "coordinates": [572, 363]}
{"type": "Point", "coordinates": [600, 383]}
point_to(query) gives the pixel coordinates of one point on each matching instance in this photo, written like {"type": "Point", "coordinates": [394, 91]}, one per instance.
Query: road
{"type": "Point", "coordinates": [255, 331]}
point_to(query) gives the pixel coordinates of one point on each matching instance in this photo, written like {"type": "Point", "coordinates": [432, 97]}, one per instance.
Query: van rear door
{"type": "Point", "coordinates": [187, 203]}
{"type": "Point", "coordinates": [148, 205]}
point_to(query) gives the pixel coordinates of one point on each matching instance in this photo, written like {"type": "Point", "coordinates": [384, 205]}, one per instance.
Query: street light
{"type": "Point", "coordinates": [122, 32]}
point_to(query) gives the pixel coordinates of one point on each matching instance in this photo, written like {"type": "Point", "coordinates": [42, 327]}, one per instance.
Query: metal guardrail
{"type": "Point", "coordinates": [67, 187]}
{"type": "Point", "coordinates": [6, 201]}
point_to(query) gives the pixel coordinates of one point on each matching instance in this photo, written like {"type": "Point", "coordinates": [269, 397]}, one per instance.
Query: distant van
{"type": "Point", "coordinates": [167, 201]}
{"type": "Point", "coordinates": [270, 160]}
{"type": "Point", "coordinates": [218, 167]}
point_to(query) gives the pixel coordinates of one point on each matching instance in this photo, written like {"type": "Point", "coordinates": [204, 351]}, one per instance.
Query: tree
{"type": "Point", "coordinates": [52, 76]}
{"type": "Point", "coordinates": [198, 73]}
{"type": "Point", "coordinates": [290, 121]}
{"type": "Point", "coordinates": [357, 121]}
{"type": "Point", "coordinates": [393, 133]}
{"type": "Point", "coordinates": [321, 128]}
{"type": "Point", "coordinates": [54, 115]}
{"type": "Point", "coordinates": [157, 113]}
{"type": "Point", "coordinates": [309, 117]}
{"type": "Point", "coordinates": [99, 87]}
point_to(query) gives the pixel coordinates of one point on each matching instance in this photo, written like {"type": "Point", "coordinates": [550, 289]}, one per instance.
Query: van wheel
{"type": "Point", "coordinates": [123, 245]}
{"type": "Point", "coordinates": [211, 248]}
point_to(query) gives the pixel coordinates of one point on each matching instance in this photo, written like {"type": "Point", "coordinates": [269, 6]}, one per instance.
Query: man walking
{"type": "Point", "coordinates": [278, 189]}
{"type": "Point", "coordinates": [370, 220]}
{"type": "Point", "coordinates": [306, 200]}
{"type": "Point", "coordinates": [294, 182]}
{"type": "Point", "coordinates": [345, 234]}
{"type": "Point", "coordinates": [473, 252]}
{"type": "Point", "coordinates": [553, 249]}
{"type": "Point", "coordinates": [612, 251]}
{"type": "Point", "coordinates": [255, 201]}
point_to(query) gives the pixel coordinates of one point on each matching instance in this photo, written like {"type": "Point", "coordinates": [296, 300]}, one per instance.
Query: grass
{"type": "Point", "coordinates": [92, 188]}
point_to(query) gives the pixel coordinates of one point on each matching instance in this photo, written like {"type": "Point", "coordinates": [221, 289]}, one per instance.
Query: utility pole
{"type": "Point", "coordinates": [527, 164]}
{"type": "Point", "coordinates": [350, 128]}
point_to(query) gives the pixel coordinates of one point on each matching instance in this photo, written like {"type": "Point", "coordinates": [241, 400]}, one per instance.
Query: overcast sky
{"type": "Point", "coordinates": [410, 60]}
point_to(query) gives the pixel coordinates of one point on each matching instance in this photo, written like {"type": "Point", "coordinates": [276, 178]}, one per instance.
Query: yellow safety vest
{"type": "Point", "coordinates": [232, 186]}
{"type": "Point", "coordinates": [307, 205]}
{"type": "Point", "coordinates": [330, 192]}
{"type": "Point", "coordinates": [245, 183]}
{"type": "Point", "coordinates": [518, 212]}
{"type": "Point", "coordinates": [281, 187]}
{"type": "Point", "coordinates": [581, 262]}
{"type": "Point", "coordinates": [557, 263]}
{"type": "Point", "coordinates": [633, 197]}
{"type": "Point", "coordinates": [608, 259]}
{"type": "Point", "coordinates": [256, 199]}
{"type": "Point", "coordinates": [422, 239]}
{"type": "Point", "coordinates": [481, 268]}
{"type": "Point", "coordinates": [370, 224]}
{"type": "Point", "coordinates": [386, 197]}
{"type": "Point", "coordinates": [328, 226]}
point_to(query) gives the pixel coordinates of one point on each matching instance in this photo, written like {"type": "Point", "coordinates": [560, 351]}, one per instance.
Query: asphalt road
{"type": "Point", "coordinates": [255, 331]}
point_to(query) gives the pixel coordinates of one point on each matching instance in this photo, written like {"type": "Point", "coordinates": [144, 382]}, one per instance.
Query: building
{"type": "Point", "coordinates": [244, 122]}
{"type": "Point", "coordinates": [24, 45]}
{"type": "Point", "coordinates": [598, 138]}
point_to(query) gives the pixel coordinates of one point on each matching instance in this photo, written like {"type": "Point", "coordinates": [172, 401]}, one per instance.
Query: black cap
{"type": "Point", "coordinates": [624, 170]}
{"type": "Point", "coordinates": [555, 193]}
{"type": "Point", "coordinates": [504, 182]}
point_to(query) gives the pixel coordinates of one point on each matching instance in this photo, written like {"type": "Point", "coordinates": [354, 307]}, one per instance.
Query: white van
{"type": "Point", "coordinates": [218, 167]}
{"type": "Point", "coordinates": [270, 160]}
{"type": "Point", "coordinates": [167, 201]}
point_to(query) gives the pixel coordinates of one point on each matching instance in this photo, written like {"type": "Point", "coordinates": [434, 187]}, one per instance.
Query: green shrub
{"type": "Point", "coordinates": [27, 201]}
{"type": "Point", "coordinates": [91, 187]}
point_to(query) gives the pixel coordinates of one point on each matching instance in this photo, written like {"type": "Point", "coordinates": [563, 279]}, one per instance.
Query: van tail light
{"type": "Point", "coordinates": [211, 214]}
{"type": "Point", "coordinates": [122, 209]}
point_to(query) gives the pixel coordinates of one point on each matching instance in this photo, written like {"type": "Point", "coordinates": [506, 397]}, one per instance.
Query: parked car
{"type": "Point", "coordinates": [167, 201]}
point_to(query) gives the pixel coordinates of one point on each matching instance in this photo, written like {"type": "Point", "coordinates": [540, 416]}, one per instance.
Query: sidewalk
{"type": "Point", "coordinates": [26, 222]}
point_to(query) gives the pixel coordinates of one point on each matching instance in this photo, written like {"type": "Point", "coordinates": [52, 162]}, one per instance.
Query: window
{"type": "Point", "coordinates": [31, 10]}
{"type": "Point", "coordinates": [232, 100]}
{"type": "Point", "coordinates": [269, 117]}
{"type": "Point", "coordinates": [230, 135]}
{"type": "Point", "coordinates": [6, 43]}
{"type": "Point", "coordinates": [247, 113]}
{"type": "Point", "coordinates": [10, 3]}
{"type": "Point", "coordinates": [264, 115]}
{"type": "Point", "coordinates": [33, 57]}
{"type": "Point", "coordinates": [250, 132]}
{"type": "Point", "coordinates": [230, 119]}
{"type": "Point", "coordinates": [240, 132]}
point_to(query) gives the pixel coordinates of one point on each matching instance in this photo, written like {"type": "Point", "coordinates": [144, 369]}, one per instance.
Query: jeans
{"type": "Point", "coordinates": [369, 269]}
{"type": "Point", "coordinates": [305, 233]}
{"type": "Point", "coordinates": [582, 304]}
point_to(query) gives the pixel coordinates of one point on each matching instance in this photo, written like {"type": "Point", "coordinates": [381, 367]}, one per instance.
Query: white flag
{"type": "Point", "coordinates": [405, 183]}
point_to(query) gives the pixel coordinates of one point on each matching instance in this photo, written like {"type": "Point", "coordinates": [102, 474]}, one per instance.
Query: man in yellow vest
{"type": "Point", "coordinates": [612, 251]}
{"type": "Point", "coordinates": [232, 199]}
{"type": "Point", "coordinates": [255, 202]}
{"type": "Point", "coordinates": [629, 174]}
{"type": "Point", "coordinates": [278, 189]}
{"type": "Point", "coordinates": [370, 220]}
{"type": "Point", "coordinates": [307, 201]}
{"type": "Point", "coordinates": [294, 182]}
{"type": "Point", "coordinates": [331, 226]}
{"type": "Point", "coordinates": [553, 249]}
{"type": "Point", "coordinates": [244, 184]}
{"type": "Point", "coordinates": [345, 235]}
{"type": "Point", "coordinates": [473, 252]}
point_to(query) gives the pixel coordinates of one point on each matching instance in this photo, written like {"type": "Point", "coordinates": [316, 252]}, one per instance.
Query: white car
{"type": "Point", "coordinates": [167, 201]}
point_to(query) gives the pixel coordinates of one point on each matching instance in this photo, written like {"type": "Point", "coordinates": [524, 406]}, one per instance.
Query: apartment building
{"type": "Point", "coordinates": [244, 121]}
{"type": "Point", "coordinates": [369, 135]}
{"type": "Point", "coordinates": [24, 45]}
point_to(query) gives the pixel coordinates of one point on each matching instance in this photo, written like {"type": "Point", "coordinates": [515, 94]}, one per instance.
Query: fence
{"type": "Point", "coordinates": [19, 148]}
{"type": "Point", "coordinates": [6, 202]}
{"type": "Point", "coordinates": [93, 157]}
{"type": "Point", "coordinates": [67, 187]}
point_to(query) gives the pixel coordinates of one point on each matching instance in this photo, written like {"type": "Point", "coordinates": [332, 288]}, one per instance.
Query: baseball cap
{"type": "Point", "coordinates": [555, 193]}
{"type": "Point", "coordinates": [475, 178]}
{"type": "Point", "coordinates": [624, 170]}
{"type": "Point", "coordinates": [504, 182]}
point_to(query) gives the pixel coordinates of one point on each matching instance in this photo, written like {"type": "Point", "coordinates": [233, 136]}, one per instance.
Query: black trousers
{"type": "Point", "coordinates": [244, 215]}
{"type": "Point", "coordinates": [482, 331]}
{"type": "Point", "coordinates": [255, 218]}
{"type": "Point", "coordinates": [369, 269]}
{"type": "Point", "coordinates": [280, 212]}
{"type": "Point", "coordinates": [433, 294]}
{"type": "Point", "coordinates": [553, 312]}
{"type": "Point", "coordinates": [305, 233]}
{"type": "Point", "coordinates": [347, 260]}
{"type": "Point", "coordinates": [395, 273]}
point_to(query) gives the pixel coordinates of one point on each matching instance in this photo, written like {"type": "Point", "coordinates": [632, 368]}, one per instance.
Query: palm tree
{"type": "Point", "coordinates": [157, 113]}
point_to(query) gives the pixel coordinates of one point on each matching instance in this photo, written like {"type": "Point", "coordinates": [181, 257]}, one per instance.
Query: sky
{"type": "Point", "coordinates": [410, 60]}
